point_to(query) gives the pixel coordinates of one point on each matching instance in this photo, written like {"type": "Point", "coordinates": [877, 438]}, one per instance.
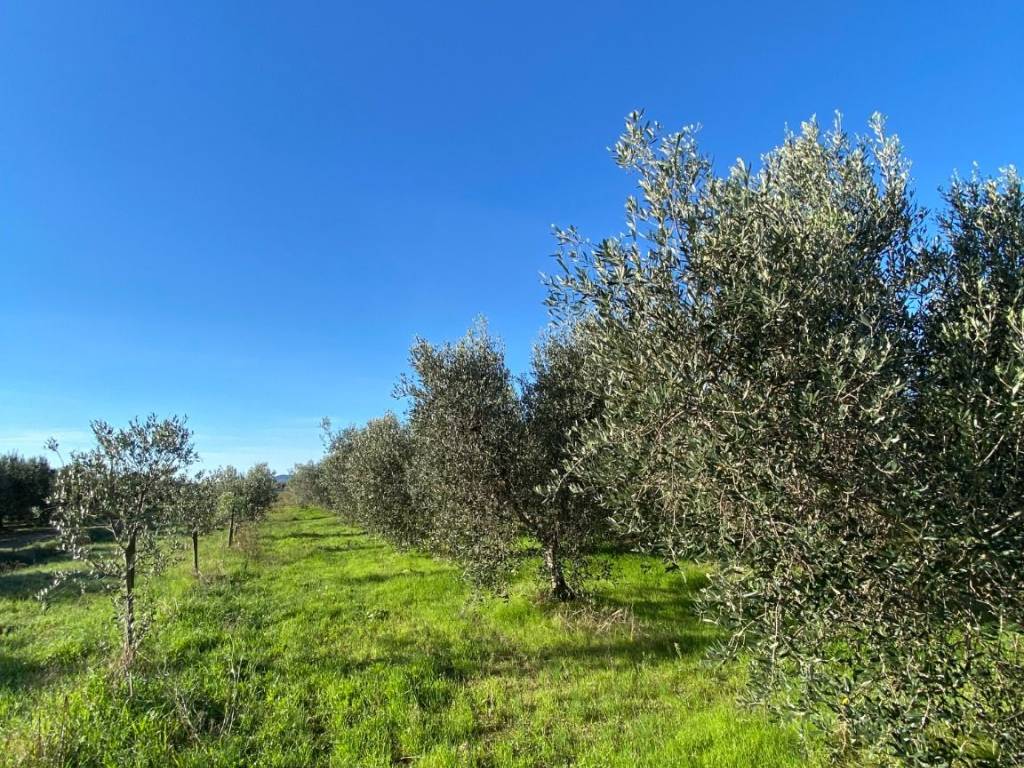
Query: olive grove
{"type": "Point", "coordinates": [790, 372]}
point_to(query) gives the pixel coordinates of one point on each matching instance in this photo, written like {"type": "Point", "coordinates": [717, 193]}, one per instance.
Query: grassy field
{"type": "Point", "coordinates": [315, 644]}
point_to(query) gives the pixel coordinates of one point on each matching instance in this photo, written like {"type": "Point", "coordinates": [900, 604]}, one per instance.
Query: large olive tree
{"type": "Point", "coordinates": [127, 487]}
{"type": "Point", "coordinates": [971, 395]}
{"type": "Point", "coordinates": [753, 339]}
{"type": "Point", "coordinates": [968, 612]}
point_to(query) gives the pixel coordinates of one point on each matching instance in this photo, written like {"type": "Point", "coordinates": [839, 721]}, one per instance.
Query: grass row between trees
{"type": "Point", "coordinates": [316, 644]}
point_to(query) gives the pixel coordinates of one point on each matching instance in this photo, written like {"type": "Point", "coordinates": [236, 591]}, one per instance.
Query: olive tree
{"type": "Point", "coordinates": [753, 340]}
{"type": "Point", "coordinates": [198, 509]}
{"type": "Point", "coordinates": [971, 396]}
{"type": "Point", "coordinates": [378, 484]}
{"type": "Point", "coordinates": [245, 497]}
{"type": "Point", "coordinates": [466, 428]}
{"type": "Point", "coordinates": [126, 487]}
{"type": "Point", "coordinates": [305, 486]}
{"type": "Point", "coordinates": [557, 407]}
{"type": "Point", "coordinates": [969, 410]}
{"type": "Point", "coordinates": [230, 503]}
{"type": "Point", "coordinates": [257, 490]}
{"type": "Point", "coordinates": [334, 468]}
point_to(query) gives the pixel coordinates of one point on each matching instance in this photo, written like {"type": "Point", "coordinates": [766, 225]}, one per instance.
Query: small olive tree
{"type": "Point", "coordinates": [258, 491]}
{"type": "Point", "coordinates": [243, 497]}
{"type": "Point", "coordinates": [466, 429]}
{"type": "Point", "coordinates": [127, 487]}
{"type": "Point", "coordinates": [198, 509]}
{"type": "Point", "coordinates": [230, 502]}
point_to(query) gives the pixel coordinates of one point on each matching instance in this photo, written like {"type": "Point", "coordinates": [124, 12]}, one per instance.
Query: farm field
{"type": "Point", "coordinates": [313, 643]}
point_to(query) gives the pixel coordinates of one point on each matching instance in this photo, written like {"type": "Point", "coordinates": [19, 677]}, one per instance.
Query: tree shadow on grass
{"type": "Point", "coordinates": [39, 546]}
{"type": "Point", "coordinates": [308, 535]}
{"type": "Point", "coordinates": [489, 657]}
{"type": "Point", "coordinates": [660, 606]}
{"type": "Point", "coordinates": [368, 579]}
{"type": "Point", "coordinates": [17, 674]}
{"type": "Point", "coordinates": [35, 555]}
{"type": "Point", "coordinates": [22, 537]}
{"type": "Point", "coordinates": [21, 672]}
{"type": "Point", "coordinates": [344, 548]}
{"type": "Point", "coordinates": [298, 519]}
{"type": "Point", "coordinates": [659, 647]}
{"type": "Point", "coordinates": [20, 585]}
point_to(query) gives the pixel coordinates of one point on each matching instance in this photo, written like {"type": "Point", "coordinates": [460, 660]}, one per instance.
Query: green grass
{"type": "Point", "coordinates": [319, 645]}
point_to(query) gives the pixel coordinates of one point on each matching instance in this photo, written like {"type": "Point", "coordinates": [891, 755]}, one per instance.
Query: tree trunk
{"type": "Point", "coordinates": [195, 551]}
{"type": "Point", "coordinates": [231, 529]}
{"type": "Point", "coordinates": [552, 561]}
{"type": "Point", "coordinates": [129, 602]}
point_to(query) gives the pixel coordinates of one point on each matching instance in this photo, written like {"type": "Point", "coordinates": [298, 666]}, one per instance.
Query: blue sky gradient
{"type": "Point", "coordinates": [245, 212]}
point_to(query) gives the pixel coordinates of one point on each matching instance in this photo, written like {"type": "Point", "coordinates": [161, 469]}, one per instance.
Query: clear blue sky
{"type": "Point", "coordinates": [245, 212]}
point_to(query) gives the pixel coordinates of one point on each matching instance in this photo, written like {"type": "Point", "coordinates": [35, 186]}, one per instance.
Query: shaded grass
{"type": "Point", "coordinates": [319, 645]}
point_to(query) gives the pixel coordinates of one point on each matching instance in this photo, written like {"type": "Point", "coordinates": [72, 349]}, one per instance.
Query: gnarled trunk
{"type": "Point", "coordinates": [560, 590]}
{"type": "Point", "coordinates": [195, 551]}
{"type": "Point", "coordinates": [231, 529]}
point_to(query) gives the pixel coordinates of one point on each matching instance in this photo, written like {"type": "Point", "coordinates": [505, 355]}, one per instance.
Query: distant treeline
{"type": "Point", "coordinates": [24, 486]}
{"type": "Point", "coordinates": [794, 374]}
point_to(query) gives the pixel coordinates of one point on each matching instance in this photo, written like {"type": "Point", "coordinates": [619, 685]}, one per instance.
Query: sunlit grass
{"type": "Point", "coordinates": [319, 645]}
